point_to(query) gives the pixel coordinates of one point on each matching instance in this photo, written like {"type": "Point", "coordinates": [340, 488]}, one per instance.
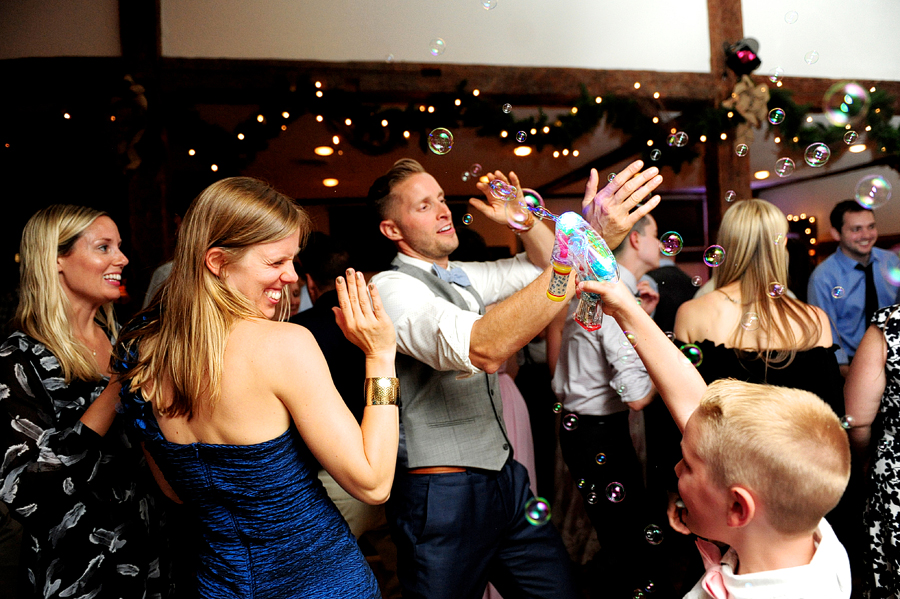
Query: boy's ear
{"type": "Point", "coordinates": [743, 507]}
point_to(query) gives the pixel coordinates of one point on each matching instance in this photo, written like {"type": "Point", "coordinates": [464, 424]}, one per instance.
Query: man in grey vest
{"type": "Point", "coordinates": [457, 509]}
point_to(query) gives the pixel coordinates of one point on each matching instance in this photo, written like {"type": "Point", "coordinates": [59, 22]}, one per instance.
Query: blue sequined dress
{"type": "Point", "coordinates": [266, 525]}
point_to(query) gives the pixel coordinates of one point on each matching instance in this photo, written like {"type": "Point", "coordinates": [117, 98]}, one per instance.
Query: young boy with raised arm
{"type": "Point", "coordinates": [762, 466]}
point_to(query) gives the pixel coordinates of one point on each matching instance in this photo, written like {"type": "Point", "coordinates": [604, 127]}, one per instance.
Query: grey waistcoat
{"type": "Point", "coordinates": [447, 421]}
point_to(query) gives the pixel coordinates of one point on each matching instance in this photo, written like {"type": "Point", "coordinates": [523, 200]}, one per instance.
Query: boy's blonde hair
{"type": "Point", "coordinates": [785, 445]}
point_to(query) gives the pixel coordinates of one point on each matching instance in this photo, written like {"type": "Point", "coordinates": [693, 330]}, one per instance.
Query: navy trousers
{"type": "Point", "coordinates": [456, 532]}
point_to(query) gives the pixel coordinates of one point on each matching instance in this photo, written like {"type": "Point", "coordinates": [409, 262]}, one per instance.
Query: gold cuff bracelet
{"type": "Point", "coordinates": [382, 391]}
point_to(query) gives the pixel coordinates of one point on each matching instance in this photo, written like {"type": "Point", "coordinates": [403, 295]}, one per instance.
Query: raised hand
{"type": "Point", "coordinates": [649, 297]}
{"type": "Point", "coordinates": [493, 208]}
{"type": "Point", "coordinates": [365, 324]}
{"type": "Point", "coordinates": [611, 211]}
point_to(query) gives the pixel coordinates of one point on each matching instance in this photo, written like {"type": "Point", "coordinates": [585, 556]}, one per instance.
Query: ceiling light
{"type": "Point", "coordinates": [324, 150]}
{"type": "Point", "coordinates": [856, 149]}
{"type": "Point", "coordinates": [330, 182]}
{"type": "Point", "coordinates": [763, 175]}
{"type": "Point", "coordinates": [522, 151]}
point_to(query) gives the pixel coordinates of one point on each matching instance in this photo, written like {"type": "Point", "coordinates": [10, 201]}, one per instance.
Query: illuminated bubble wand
{"type": "Point", "coordinates": [577, 246]}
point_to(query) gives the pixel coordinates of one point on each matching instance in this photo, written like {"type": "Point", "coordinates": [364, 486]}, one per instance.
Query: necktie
{"type": "Point", "coordinates": [713, 582]}
{"type": "Point", "coordinates": [454, 275]}
{"type": "Point", "coordinates": [871, 292]}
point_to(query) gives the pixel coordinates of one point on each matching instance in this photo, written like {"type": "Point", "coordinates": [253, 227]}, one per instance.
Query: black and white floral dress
{"type": "Point", "coordinates": [88, 504]}
{"type": "Point", "coordinates": [882, 515]}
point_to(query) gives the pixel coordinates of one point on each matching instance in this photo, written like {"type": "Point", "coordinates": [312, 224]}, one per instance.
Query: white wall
{"type": "Point", "coordinates": [59, 28]}
{"type": "Point", "coordinates": [656, 35]}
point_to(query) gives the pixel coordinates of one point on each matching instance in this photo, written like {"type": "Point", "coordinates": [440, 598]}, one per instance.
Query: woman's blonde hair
{"type": "Point", "coordinates": [754, 236]}
{"type": "Point", "coordinates": [786, 445]}
{"type": "Point", "coordinates": [43, 311]}
{"type": "Point", "coordinates": [187, 325]}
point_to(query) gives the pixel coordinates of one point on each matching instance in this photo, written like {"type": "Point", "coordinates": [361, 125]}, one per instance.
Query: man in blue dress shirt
{"type": "Point", "coordinates": [854, 281]}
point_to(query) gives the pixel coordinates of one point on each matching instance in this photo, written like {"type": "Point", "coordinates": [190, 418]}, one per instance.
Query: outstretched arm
{"type": "Point", "coordinates": [678, 382]}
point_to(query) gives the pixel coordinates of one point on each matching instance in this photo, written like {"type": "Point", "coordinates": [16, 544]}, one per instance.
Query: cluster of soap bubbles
{"type": "Point", "coordinates": [693, 355]}
{"type": "Point", "coordinates": [845, 102]}
{"type": "Point", "coordinates": [678, 139]}
{"type": "Point", "coordinates": [437, 46]}
{"type": "Point", "coordinates": [473, 171]}
{"type": "Point", "coordinates": [440, 141]}
{"type": "Point", "coordinates": [784, 167]}
{"type": "Point", "coordinates": [537, 511]}
{"type": "Point", "coordinates": [670, 243]}
{"type": "Point", "coordinates": [714, 256]}
{"type": "Point", "coordinates": [503, 191]}
{"type": "Point", "coordinates": [817, 155]}
{"type": "Point", "coordinates": [873, 191]}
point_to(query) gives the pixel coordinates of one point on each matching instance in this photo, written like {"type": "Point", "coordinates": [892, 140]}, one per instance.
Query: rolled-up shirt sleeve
{"type": "Point", "coordinates": [429, 328]}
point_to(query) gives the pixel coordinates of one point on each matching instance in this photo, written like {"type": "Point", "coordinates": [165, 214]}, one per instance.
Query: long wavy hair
{"type": "Point", "coordinates": [754, 236]}
{"type": "Point", "coordinates": [44, 308]}
{"type": "Point", "coordinates": [185, 329]}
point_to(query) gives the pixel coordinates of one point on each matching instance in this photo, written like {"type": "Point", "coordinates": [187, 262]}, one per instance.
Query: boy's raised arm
{"type": "Point", "coordinates": [678, 382]}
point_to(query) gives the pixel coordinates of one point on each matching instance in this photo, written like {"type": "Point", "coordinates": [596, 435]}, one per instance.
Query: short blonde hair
{"type": "Point", "coordinates": [381, 193]}
{"type": "Point", "coordinates": [786, 445]}
{"type": "Point", "coordinates": [43, 310]}
{"type": "Point", "coordinates": [189, 320]}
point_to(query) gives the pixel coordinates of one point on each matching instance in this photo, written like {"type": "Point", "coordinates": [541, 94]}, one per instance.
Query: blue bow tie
{"type": "Point", "coordinates": [454, 275]}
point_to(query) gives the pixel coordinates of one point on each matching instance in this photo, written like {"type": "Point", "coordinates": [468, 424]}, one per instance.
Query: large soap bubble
{"type": "Point", "coordinates": [845, 102]}
{"type": "Point", "coordinates": [440, 141]}
{"type": "Point", "coordinates": [873, 191]}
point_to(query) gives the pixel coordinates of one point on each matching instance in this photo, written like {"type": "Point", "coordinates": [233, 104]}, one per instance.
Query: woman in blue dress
{"type": "Point", "coordinates": [233, 405]}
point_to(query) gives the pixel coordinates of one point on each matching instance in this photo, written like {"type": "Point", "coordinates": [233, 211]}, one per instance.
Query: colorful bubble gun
{"type": "Point", "coordinates": [580, 247]}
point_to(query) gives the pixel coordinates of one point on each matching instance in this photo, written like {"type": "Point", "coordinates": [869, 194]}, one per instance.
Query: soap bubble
{"type": "Point", "coordinates": [776, 116]}
{"type": "Point", "coordinates": [437, 47]}
{"type": "Point", "coordinates": [812, 57]}
{"type": "Point", "coordinates": [389, 58]}
{"type": "Point", "coordinates": [696, 281]}
{"type": "Point", "coordinates": [775, 289]}
{"type": "Point", "coordinates": [507, 108]}
{"type": "Point", "coordinates": [778, 238]}
{"type": "Point", "coordinates": [521, 136]}
{"type": "Point", "coordinates": [630, 340]}
{"type": "Point", "coordinates": [838, 292]}
{"type": "Point", "coordinates": [847, 421]}
{"type": "Point", "coordinates": [489, 4]}
{"type": "Point", "coordinates": [784, 167]}
{"type": "Point", "coordinates": [581, 482]}
{"type": "Point", "coordinates": [678, 139]}
{"type": "Point", "coordinates": [467, 219]}
{"type": "Point", "coordinates": [850, 137]}
{"type": "Point", "coordinates": [817, 155]}
{"type": "Point", "coordinates": [570, 422]}
{"type": "Point", "coordinates": [750, 321]}
{"type": "Point", "coordinates": [557, 408]}
{"type": "Point", "coordinates": [501, 190]}
{"type": "Point", "coordinates": [475, 169]}
{"type": "Point", "coordinates": [600, 458]}
{"type": "Point", "coordinates": [714, 255]}
{"type": "Point", "coordinates": [518, 216]}
{"type": "Point", "coordinates": [650, 587]}
{"type": "Point", "coordinates": [591, 498]}
{"type": "Point", "coordinates": [776, 74]}
{"type": "Point", "coordinates": [791, 17]}
{"type": "Point", "coordinates": [440, 141]}
{"type": "Point", "coordinates": [873, 191]}
{"type": "Point", "coordinates": [653, 534]}
{"type": "Point", "coordinates": [610, 177]}
{"type": "Point", "coordinates": [615, 492]}
{"type": "Point", "coordinates": [621, 390]}
{"type": "Point", "coordinates": [891, 274]}
{"type": "Point", "coordinates": [693, 354]}
{"type": "Point", "coordinates": [670, 335]}
{"type": "Point", "coordinates": [627, 355]}
{"type": "Point", "coordinates": [845, 102]}
{"type": "Point", "coordinates": [741, 150]}
{"type": "Point", "coordinates": [655, 155]}
{"type": "Point", "coordinates": [466, 176]}
{"type": "Point", "coordinates": [670, 243]}
{"type": "Point", "coordinates": [537, 511]}
{"type": "Point", "coordinates": [637, 594]}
